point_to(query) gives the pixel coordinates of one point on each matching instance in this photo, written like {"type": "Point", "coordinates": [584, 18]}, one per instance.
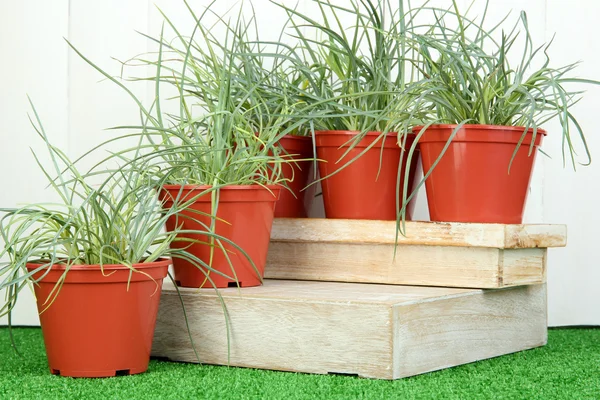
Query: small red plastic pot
{"type": "Point", "coordinates": [367, 188]}
{"type": "Point", "coordinates": [297, 203]}
{"type": "Point", "coordinates": [102, 321]}
{"type": "Point", "coordinates": [472, 181]}
{"type": "Point", "coordinates": [244, 216]}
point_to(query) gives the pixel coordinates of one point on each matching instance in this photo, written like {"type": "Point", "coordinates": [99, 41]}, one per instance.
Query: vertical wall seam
{"type": "Point", "coordinates": [546, 159]}
{"type": "Point", "coordinates": [69, 77]}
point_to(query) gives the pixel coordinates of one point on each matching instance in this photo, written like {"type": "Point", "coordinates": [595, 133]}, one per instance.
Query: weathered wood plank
{"type": "Point", "coordinates": [376, 331]}
{"type": "Point", "coordinates": [522, 266]}
{"type": "Point", "coordinates": [460, 330]}
{"type": "Point", "coordinates": [373, 263]}
{"type": "Point", "coordinates": [418, 233]}
{"type": "Point", "coordinates": [534, 235]}
{"type": "Point", "coordinates": [483, 256]}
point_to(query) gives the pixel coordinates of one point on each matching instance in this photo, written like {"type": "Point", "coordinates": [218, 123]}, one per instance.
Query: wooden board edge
{"type": "Point", "coordinates": [415, 265]}
{"type": "Point", "coordinates": [522, 266]}
{"type": "Point", "coordinates": [534, 236]}
{"type": "Point", "coordinates": [418, 233]}
{"type": "Point", "coordinates": [372, 364]}
{"type": "Point", "coordinates": [536, 300]}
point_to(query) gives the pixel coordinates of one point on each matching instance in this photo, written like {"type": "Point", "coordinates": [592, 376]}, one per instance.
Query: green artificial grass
{"type": "Point", "coordinates": [567, 368]}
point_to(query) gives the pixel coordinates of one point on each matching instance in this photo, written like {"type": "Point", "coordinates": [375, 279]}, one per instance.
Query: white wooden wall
{"type": "Point", "coordinates": [75, 108]}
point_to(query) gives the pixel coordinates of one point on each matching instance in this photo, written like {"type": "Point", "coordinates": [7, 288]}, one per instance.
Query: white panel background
{"type": "Point", "coordinates": [76, 106]}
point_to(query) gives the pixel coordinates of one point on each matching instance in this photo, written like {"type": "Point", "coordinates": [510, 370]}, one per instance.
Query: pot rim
{"type": "Point", "coordinates": [343, 139]}
{"type": "Point", "coordinates": [296, 137]}
{"type": "Point", "coordinates": [479, 126]}
{"type": "Point", "coordinates": [353, 133]}
{"type": "Point", "coordinates": [226, 187]}
{"type": "Point", "coordinates": [161, 262]}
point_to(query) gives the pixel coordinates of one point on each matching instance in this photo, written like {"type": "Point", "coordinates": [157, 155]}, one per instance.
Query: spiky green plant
{"type": "Point", "coordinates": [358, 74]}
{"type": "Point", "coordinates": [360, 71]}
{"type": "Point", "coordinates": [225, 131]}
{"type": "Point", "coordinates": [470, 78]}
{"type": "Point", "coordinates": [120, 221]}
{"type": "Point", "coordinates": [222, 132]}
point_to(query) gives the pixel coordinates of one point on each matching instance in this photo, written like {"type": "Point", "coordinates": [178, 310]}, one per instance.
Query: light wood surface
{"type": "Point", "coordinates": [449, 255]}
{"type": "Point", "coordinates": [373, 263]}
{"type": "Point", "coordinates": [523, 266]}
{"type": "Point", "coordinates": [419, 233]}
{"type": "Point", "coordinates": [445, 266]}
{"type": "Point", "coordinates": [375, 331]}
{"type": "Point", "coordinates": [459, 330]}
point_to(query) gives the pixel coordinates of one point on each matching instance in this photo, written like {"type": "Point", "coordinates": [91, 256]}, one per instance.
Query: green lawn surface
{"type": "Point", "coordinates": [567, 368]}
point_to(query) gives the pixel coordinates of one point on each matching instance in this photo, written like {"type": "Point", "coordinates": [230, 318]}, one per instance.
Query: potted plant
{"type": "Point", "coordinates": [295, 201]}
{"type": "Point", "coordinates": [96, 258]}
{"type": "Point", "coordinates": [480, 141]}
{"type": "Point", "coordinates": [357, 97]}
{"type": "Point", "coordinates": [269, 68]}
{"type": "Point", "coordinates": [215, 157]}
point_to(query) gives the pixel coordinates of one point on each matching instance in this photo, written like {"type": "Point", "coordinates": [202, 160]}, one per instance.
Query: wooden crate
{"type": "Point", "coordinates": [431, 254]}
{"type": "Point", "coordinates": [374, 331]}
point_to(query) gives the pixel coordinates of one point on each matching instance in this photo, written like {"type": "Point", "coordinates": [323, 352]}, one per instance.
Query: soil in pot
{"type": "Point", "coordinates": [244, 216]}
{"type": "Point", "coordinates": [367, 188]}
{"type": "Point", "coordinates": [472, 181]}
{"type": "Point", "coordinates": [293, 201]}
{"type": "Point", "coordinates": [102, 321]}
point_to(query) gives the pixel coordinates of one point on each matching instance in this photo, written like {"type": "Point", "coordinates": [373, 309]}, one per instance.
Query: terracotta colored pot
{"type": "Point", "coordinates": [472, 183]}
{"type": "Point", "coordinates": [362, 190]}
{"type": "Point", "coordinates": [101, 323]}
{"type": "Point", "coordinates": [297, 203]}
{"type": "Point", "coordinates": [245, 216]}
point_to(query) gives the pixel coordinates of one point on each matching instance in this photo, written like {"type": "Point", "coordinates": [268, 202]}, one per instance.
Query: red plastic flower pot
{"type": "Point", "coordinates": [244, 216]}
{"type": "Point", "coordinates": [297, 202]}
{"type": "Point", "coordinates": [367, 188]}
{"type": "Point", "coordinates": [102, 321]}
{"type": "Point", "coordinates": [472, 181]}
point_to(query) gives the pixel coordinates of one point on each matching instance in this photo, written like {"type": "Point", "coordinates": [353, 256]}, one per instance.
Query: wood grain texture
{"type": "Point", "coordinates": [459, 330]}
{"type": "Point", "coordinates": [445, 266]}
{"type": "Point", "coordinates": [522, 266]}
{"type": "Point", "coordinates": [486, 256]}
{"type": "Point", "coordinates": [375, 331]}
{"type": "Point", "coordinates": [288, 326]}
{"type": "Point", "coordinates": [418, 233]}
{"type": "Point", "coordinates": [375, 263]}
